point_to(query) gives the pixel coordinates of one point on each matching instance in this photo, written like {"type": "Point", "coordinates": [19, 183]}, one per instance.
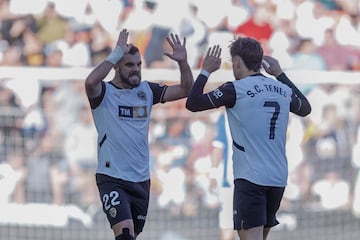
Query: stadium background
{"type": "Point", "coordinates": [46, 159]}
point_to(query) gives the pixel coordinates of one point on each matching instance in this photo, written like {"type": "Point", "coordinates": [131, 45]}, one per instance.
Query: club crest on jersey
{"type": "Point", "coordinates": [141, 95]}
{"type": "Point", "coordinates": [113, 212]}
{"type": "Point", "coordinates": [133, 112]}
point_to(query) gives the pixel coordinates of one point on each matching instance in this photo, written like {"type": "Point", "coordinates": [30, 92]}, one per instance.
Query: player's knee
{"type": "Point", "coordinates": [125, 235]}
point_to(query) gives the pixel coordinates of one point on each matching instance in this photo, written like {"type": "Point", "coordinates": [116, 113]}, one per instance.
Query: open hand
{"type": "Point", "coordinates": [179, 51]}
{"type": "Point", "coordinates": [212, 60]}
{"type": "Point", "coordinates": [122, 41]}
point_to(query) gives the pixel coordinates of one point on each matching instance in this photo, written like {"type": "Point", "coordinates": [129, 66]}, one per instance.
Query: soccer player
{"type": "Point", "coordinates": [121, 112]}
{"type": "Point", "coordinates": [258, 109]}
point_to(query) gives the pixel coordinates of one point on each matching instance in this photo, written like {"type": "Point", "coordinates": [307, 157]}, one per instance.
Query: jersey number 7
{"type": "Point", "coordinates": [275, 115]}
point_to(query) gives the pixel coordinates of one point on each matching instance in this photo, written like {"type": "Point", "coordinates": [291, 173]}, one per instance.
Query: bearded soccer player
{"type": "Point", "coordinates": [121, 112]}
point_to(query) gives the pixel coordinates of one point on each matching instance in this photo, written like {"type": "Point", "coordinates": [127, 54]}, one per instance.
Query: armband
{"type": "Point", "coordinates": [205, 73]}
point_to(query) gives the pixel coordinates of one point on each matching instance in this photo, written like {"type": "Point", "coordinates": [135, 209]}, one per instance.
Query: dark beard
{"type": "Point", "coordinates": [126, 80]}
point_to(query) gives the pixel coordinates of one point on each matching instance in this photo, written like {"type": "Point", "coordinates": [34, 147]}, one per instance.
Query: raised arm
{"type": "Point", "coordinates": [299, 104]}
{"type": "Point", "coordinates": [97, 75]}
{"type": "Point", "coordinates": [179, 55]}
{"type": "Point", "coordinates": [197, 99]}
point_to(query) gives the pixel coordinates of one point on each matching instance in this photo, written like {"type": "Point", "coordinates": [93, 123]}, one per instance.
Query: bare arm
{"type": "Point", "coordinates": [97, 75]}
{"type": "Point", "coordinates": [94, 79]}
{"type": "Point", "coordinates": [178, 91]}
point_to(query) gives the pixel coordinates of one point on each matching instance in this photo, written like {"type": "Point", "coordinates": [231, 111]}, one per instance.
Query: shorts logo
{"type": "Point", "coordinates": [141, 217]}
{"type": "Point", "coordinates": [112, 212]}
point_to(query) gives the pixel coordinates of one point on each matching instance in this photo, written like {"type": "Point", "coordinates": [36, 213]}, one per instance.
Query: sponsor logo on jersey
{"type": "Point", "coordinates": [133, 112]}
{"type": "Point", "coordinates": [141, 217]}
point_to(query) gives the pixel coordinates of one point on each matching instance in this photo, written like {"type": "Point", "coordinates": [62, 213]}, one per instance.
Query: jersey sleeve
{"type": "Point", "coordinates": [299, 103]}
{"type": "Point", "coordinates": [158, 92]}
{"type": "Point", "coordinates": [224, 95]}
{"type": "Point", "coordinates": [94, 102]}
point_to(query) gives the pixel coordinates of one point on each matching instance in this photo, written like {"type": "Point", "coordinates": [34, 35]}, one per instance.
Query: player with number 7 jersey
{"type": "Point", "coordinates": [258, 109]}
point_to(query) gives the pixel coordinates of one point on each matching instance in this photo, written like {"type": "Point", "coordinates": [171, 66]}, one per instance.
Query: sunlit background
{"type": "Point", "coordinates": [48, 140]}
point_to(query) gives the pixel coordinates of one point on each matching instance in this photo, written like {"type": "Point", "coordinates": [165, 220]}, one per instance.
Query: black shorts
{"type": "Point", "coordinates": [123, 200]}
{"type": "Point", "coordinates": [255, 205]}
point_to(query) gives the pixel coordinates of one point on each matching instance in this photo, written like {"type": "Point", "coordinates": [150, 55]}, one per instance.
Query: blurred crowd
{"type": "Point", "coordinates": [310, 34]}
{"type": "Point", "coordinates": [48, 143]}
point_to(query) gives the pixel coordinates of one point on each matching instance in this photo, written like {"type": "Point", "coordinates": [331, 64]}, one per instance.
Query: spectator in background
{"type": "Point", "coordinates": [156, 47]}
{"type": "Point", "coordinates": [196, 32]}
{"type": "Point", "coordinates": [170, 177]}
{"type": "Point", "coordinates": [299, 181]}
{"type": "Point", "coordinates": [331, 144]}
{"type": "Point", "coordinates": [259, 26]}
{"type": "Point", "coordinates": [215, 20]}
{"type": "Point", "coordinates": [346, 32]}
{"type": "Point", "coordinates": [53, 56]}
{"type": "Point", "coordinates": [221, 161]}
{"type": "Point", "coordinates": [356, 163]}
{"type": "Point", "coordinates": [80, 153]}
{"type": "Point", "coordinates": [51, 26]}
{"type": "Point", "coordinates": [47, 176]}
{"type": "Point", "coordinates": [328, 128]}
{"type": "Point", "coordinates": [333, 192]}
{"type": "Point", "coordinates": [161, 26]}
{"type": "Point", "coordinates": [33, 50]}
{"type": "Point", "coordinates": [12, 56]}
{"type": "Point", "coordinates": [100, 44]}
{"type": "Point", "coordinates": [305, 57]}
{"type": "Point", "coordinates": [75, 46]}
{"type": "Point", "coordinates": [176, 140]}
{"type": "Point", "coordinates": [12, 179]}
{"type": "Point", "coordinates": [281, 43]}
{"type": "Point", "coordinates": [14, 27]}
{"type": "Point", "coordinates": [331, 4]}
{"type": "Point", "coordinates": [11, 117]}
{"type": "Point", "coordinates": [335, 56]}
{"type": "Point", "coordinates": [68, 98]}
{"type": "Point", "coordinates": [200, 159]}
{"type": "Point", "coordinates": [140, 31]}
{"type": "Point", "coordinates": [314, 14]}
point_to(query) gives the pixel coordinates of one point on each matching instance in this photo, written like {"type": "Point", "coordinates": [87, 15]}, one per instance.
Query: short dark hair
{"type": "Point", "coordinates": [249, 50]}
{"type": "Point", "coordinates": [133, 50]}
